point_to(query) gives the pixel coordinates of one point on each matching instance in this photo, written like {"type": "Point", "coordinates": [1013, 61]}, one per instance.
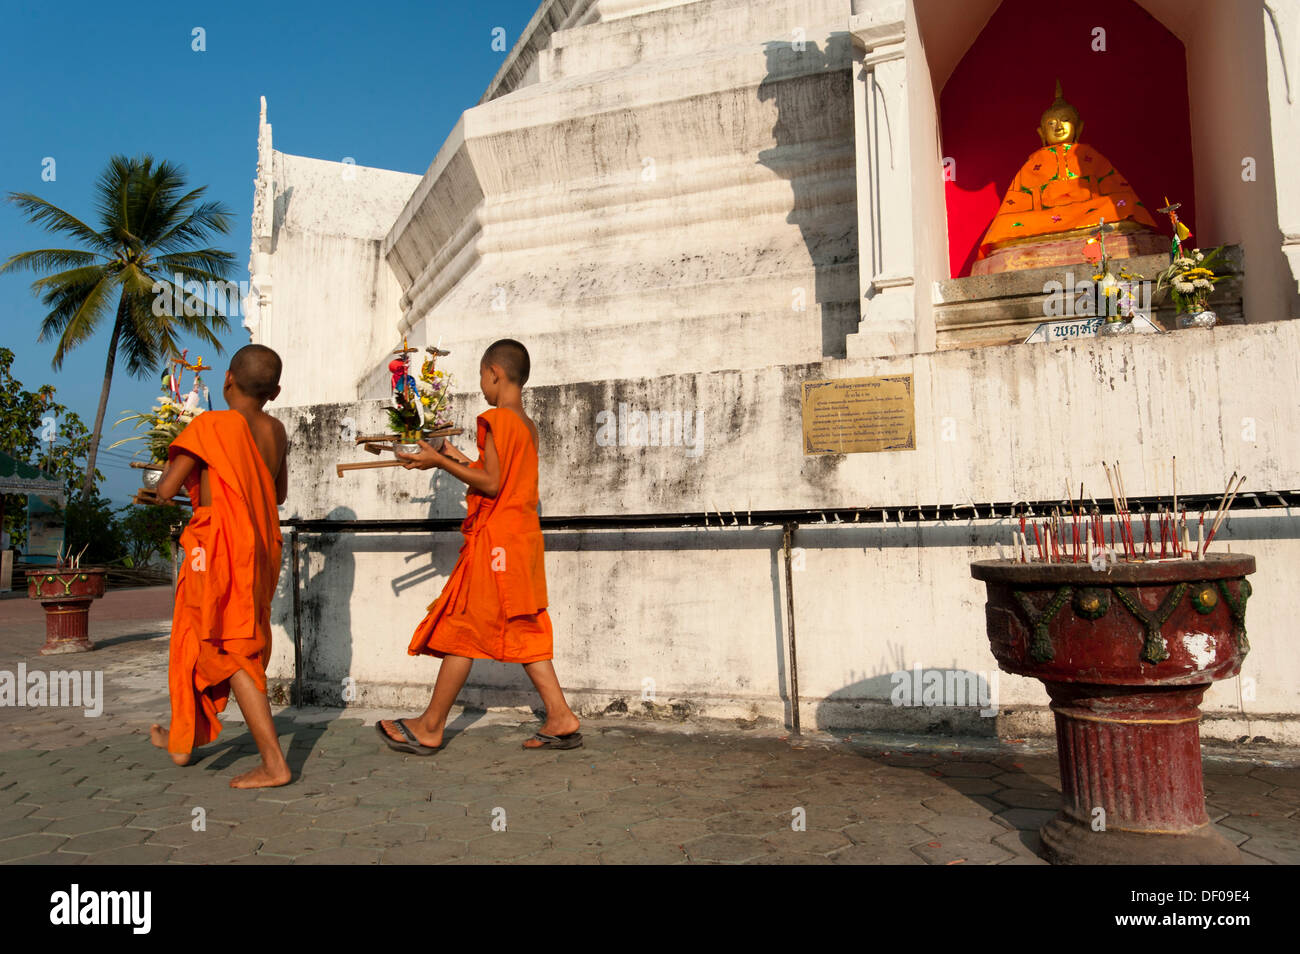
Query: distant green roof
{"type": "Point", "coordinates": [19, 478]}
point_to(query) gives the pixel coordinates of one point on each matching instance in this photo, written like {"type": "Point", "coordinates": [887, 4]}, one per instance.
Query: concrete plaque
{"type": "Point", "coordinates": [859, 415]}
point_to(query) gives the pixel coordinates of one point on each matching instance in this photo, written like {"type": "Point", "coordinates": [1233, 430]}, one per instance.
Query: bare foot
{"type": "Point", "coordinates": [262, 777]}
{"type": "Point", "coordinates": [422, 735]}
{"type": "Point", "coordinates": [158, 736]}
{"type": "Point", "coordinates": [560, 725]}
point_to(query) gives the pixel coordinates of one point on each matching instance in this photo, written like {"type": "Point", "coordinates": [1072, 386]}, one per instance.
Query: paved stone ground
{"type": "Point", "coordinates": [77, 790]}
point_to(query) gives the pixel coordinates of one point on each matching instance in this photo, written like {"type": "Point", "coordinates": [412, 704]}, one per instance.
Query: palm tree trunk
{"type": "Point", "coordinates": [89, 483]}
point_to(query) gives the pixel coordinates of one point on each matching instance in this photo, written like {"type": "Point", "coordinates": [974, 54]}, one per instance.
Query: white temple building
{"type": "Point", "coordinates": [690, 207]}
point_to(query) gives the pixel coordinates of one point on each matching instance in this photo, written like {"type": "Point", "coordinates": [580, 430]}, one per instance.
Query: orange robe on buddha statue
{"type": "Point", "coordinates": [1059, 189]}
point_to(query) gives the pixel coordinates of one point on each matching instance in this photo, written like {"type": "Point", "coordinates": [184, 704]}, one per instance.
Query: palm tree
{"type": "Point", "coordinates": [149, 227]}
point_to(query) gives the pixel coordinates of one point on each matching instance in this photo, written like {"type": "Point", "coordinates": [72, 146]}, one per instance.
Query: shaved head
{"type": "Point", "coordinates": [511, 357]}
{"type": "Point", "coordinates": [256, 370]}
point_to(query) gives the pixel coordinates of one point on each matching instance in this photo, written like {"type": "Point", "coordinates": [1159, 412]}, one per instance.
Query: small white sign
{"type": "Point", "coordinates": [1072, 328]}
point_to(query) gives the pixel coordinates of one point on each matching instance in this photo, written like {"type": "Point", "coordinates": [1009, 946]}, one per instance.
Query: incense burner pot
{"type": "Point", "coordinates": [66, 595]}
{"type": "Point", "coordinates": [1126, 654]}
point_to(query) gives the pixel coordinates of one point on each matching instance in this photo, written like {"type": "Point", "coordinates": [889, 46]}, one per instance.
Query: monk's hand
{"type": "Point", "coordinates": [429, 456]}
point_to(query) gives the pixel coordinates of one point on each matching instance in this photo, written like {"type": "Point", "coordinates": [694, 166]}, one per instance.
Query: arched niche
{"type": "Point", "coordinates": [1206, 61]}
{"type": "Point", "coordinates": [1132, 96]}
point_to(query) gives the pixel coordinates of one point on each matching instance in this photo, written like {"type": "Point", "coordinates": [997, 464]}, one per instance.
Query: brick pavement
{"type": "Point", "coordinates": [76, 790]}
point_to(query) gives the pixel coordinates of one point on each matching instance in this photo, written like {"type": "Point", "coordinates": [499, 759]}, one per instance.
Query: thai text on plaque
{"type": "Point", "coordinates": [859, 415]}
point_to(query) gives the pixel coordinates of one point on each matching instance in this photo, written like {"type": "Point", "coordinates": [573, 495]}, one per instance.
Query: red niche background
{"type": "Point", "coordinates": [1132, 99]}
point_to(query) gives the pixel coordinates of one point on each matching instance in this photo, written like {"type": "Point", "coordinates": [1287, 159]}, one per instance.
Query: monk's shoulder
{"type": "Point", "coordinates": [269, 432]}
{"type": "Point", "coordinates": [275, 427]}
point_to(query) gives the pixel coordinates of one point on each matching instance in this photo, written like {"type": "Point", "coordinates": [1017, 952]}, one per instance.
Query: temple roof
{"type": "Point", "coordinates": [17, 477]}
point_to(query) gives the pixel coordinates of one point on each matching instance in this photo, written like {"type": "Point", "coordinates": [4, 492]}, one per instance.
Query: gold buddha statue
{"type": "Point", "coordinates": [1058, 197]}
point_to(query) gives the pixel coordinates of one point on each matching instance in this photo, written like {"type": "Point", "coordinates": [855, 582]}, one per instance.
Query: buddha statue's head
{"type": "Point", "coordinates": [1060, 122]}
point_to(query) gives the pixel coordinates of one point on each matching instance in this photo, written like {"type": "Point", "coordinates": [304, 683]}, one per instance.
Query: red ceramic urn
{"type": "Point", "coordinates": [1126, 654]}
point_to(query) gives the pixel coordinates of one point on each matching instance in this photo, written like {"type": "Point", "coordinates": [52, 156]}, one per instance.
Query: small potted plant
{"type": "Point", "coordinates": [1190, 281]}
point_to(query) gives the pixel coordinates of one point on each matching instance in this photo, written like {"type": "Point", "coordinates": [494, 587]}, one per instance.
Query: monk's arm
{"type": "Point", "coordinates": [282, 478]}
{"type": "Point", "coordinates": [173, 478]}
{"type": "Point", "coordinates": [452, 451]}
{"type": "Point", "coordinates": [486, 481]}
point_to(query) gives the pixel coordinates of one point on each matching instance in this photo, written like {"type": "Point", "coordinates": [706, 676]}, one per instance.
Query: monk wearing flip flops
{"type": "Point", "coordinates": [494, 604]}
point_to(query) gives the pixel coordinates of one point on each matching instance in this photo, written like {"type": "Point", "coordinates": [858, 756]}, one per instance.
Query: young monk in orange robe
{"type": "Point", "coordinates": [233, 465]}
{"type": "Point", "coordinates": [494, 604]}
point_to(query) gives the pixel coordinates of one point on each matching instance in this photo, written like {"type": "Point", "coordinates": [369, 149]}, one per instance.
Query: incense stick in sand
{"type": "Point", "coordinates": [1175, 485]}
{"type": "Point", "coordinates": [1223, 513]}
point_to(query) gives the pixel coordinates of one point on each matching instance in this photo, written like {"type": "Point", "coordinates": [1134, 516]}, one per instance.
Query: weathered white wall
{"type": "Point", "coordinates": [318, 273]}
{"type": "Point", "coordinates": [700, 612]}
{"type": "Point", "coordinates": [1232, 97]}
{"type": "Point", "coordinates": [1282, 56]}
{"type": "Point", "coordinates": [675, 193]}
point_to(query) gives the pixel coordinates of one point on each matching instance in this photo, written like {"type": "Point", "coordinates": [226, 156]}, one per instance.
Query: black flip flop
{"type": "Point", "coordinates": [412, 746]}
{"type": "Point", "coordinates": [571, 741]}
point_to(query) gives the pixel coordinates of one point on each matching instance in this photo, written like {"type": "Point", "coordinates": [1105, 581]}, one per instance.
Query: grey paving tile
{"type": "Point", "coordinates": [1237, 785]}
{"type": "Point", "coordinates": [747, 823]}
{"type": "Point", "coordinates": [951, 851]}
{"type": "Point", "coordinates": [383, 836]}
{"type": "Point", "coordinates": [670, 831]}
{"type": "Point", "coordinates": [1284, 777]}
{"type": "Point", "coordinates": [1276, 840]}
{"type": "Point", "coordinates": [51, 858]}
{"type": "Point", "coordinates": [437, 852]}
{"type": "Point", "coordinates": [91, 821]}
{"type": "Point", "coordinates": [1025, 845]}
{"type": "Point", "coordinates": [887, 834]}
{"type": "Point", "coordinates": [178, 836]}
{"type": "Point", "coordinates": [588, 838]}
{"type": "Point", "coordinates": [812, 841]}
{"type": "Point", "coordinates": [346, 855]}
{"type": "Point", "coordinates": [727, 847]}
{"type": "Point", "coordinates": [976, 806]}
{"type": "Point", "coordinates": [642, 853]}
{"type": "Point", "coordinates": [104, 840]}
{"type": "Point", "coordinates": [132, 855]}
{"type": "Point", "coordinates": [964, 827]}
{"type": "Point", "coordinates": [294, 844]}
{"type": "Point", "coordinates": [506, 845]}
{"type": "Point", "coordinates": [23, 846]}
{"type": "Point", "coordinates": [1025, 798]}
{"type": "Point", "coordinates": [1026, 819]}
{"type": "Point", "coordinates": [215, 851]}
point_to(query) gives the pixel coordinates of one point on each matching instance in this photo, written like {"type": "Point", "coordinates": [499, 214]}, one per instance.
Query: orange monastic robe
{"type": "Point", "coordinates": [230, 562]}
{"type": "Point", "coordinates": [1061, 188]}
{"type": "Point", "coordinates": [494, 604]}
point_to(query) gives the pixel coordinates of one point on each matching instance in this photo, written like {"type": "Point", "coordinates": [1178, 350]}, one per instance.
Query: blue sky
{"type": "Point", "coordinates": [382, 82]}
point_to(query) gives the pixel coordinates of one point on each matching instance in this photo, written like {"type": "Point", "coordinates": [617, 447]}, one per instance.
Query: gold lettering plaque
{"type": "Point", "coordinates": [859, 415]}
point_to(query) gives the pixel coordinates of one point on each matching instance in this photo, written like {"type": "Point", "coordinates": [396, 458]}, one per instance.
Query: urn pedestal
{"type": "Point", "coordinates": [1126, 655]}
{"type": "Point", "coordinates": [66, 595]}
